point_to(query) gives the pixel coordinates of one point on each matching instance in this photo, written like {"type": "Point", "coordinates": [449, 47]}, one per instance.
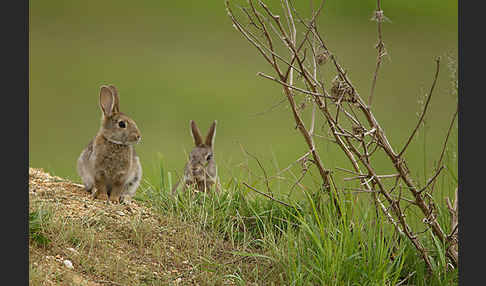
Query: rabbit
{"type": "Point", "coordinates": [109, 163]}
{"type": "Point", "coordinates": [200, 171]}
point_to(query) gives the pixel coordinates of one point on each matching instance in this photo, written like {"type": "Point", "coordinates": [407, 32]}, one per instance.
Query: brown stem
{"type": "Point", "coordinates": [261, 167]}
{"type": "Point", "coordinates": [453, 237]}
{"type": "Point", "coordinates": [268, 196]}
{"type": "Point", "coordinates": [381, 49]}
{"type": "Point", "coordinates": [445, 145]}
{"type": "Point", "coordinates": [424, 110]}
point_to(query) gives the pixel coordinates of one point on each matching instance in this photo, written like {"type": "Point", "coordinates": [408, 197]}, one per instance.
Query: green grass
{"type": "Point", "coordinates": [172, 65]}
{"type": "Point", "coordinates": [139, 248]}
{"type": "Point", "coordinates": [268, 243]}
{"type": "Point", "coordinates": [36, 221]}
{"type": "Point", "coordinates": [308, 244]}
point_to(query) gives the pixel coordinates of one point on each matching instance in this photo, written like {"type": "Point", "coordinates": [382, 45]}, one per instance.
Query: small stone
{"type": "Point", "coordinates": [120, 213]}
{"type": "Point", "coordinates": [73, 250]}
{"type": "Point", "coordinates": [178, 280]}
{"type": "Point", "coordinates": [68, 264]}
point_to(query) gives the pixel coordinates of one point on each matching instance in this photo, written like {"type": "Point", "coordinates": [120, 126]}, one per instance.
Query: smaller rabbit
{"type": "Point", "coordinates": [200, 171]}
{"type": "Point", "coordinates": [109, 162]}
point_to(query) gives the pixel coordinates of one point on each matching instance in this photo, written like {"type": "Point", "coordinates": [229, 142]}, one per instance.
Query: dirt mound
{"type": "Point", "coordinates": [115, 244]}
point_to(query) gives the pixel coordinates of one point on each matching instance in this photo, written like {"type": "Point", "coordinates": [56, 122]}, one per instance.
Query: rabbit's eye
{"type": "Point", "coordinates": [209, 157]}
{"type": "Point", "coordinates": [122, 124]}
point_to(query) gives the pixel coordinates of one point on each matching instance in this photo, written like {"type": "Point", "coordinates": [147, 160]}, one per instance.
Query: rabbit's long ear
{"type": "Point", "coordinates": [107, 100]}
{"type": "Point", "coordinates": [196, 134]}
{"type": "Point", "coordinates": [114, 90]}
{"type": "Point", "coordinates": [211, 134]}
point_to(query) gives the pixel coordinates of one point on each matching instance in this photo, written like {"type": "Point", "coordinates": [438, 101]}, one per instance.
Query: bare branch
{"type": "Point", "coordinates": [349, 171]}
{"type": "Point", "coordinates": [269, 40]}
{"type": "Point", "coordinates": [271, 107]}
{"type": "Point", "coordinates": [261, 167]}
{"type": "Point", "coordinates": [367, 176]}
{"type": "Point", "coordinates": [291, 86]}
{"type": "Point", "coordinates": [289, 43]}
{"type": "Point", "coordinates": [453, 250]}
{"type": "Point", "coordinates": [313, 119]}
{"type": "Point", "coordinates": [250, 18]}
{"type": "Point", "coordinates": [445, 144]}
{"type": "Point", "coordinates": [358, 190]}
{"type": "Point", "coordinates": [351, 143]}
{"type": "Point", "coordinates": [297, 182]}
{"type": "Point", "coordinates": [324, 173]}
{"type": "Point", "coordinates": [424, 110]}
{"type": "Point", "coordinates": [431, 179]}
{"type": "Point", "coordinates": [270, 197]}
{"type": "Point", "coordinates": [243, 31]}
{"type": "Point", "coordinates": [293, 37]}
{"type": "Point", "coordinates": [379, 17]}
{"type": "Point", "coordinates": [296, 161]}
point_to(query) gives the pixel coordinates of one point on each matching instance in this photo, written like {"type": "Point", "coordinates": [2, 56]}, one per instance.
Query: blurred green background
{"type": "Point", "coordinates": [174, 61]}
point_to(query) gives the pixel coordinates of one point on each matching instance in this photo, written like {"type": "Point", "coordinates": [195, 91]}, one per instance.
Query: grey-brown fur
{"type": "Point", "coordinates": [200, 170]}
{"type": "Point", "coordinates": [109, 163]}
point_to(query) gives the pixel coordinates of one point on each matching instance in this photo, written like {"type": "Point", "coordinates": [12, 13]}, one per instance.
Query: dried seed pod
{"type": "Point", "coordinates": [340, 89]}
{"type": "Point", "coordinates": [303, 105]}
{"type": "Point", "coordinates": [358, 131]}
{"type": "Point", "coordinates": [322, 57]}
{"type": "Point", "coordinates": [335, 87]}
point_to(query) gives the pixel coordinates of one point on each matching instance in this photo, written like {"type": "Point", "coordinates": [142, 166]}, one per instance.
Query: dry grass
{"type": "Point", "coordinates": [121, 244]}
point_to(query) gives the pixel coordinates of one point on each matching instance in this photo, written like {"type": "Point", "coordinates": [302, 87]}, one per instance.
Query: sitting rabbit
{"type": "Point", "coordinates": [200, 171]}
{"type": "Point", "coordinates": [109, 162]}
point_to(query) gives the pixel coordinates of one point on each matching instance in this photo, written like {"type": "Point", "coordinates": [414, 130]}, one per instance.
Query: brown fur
{"type": "Point", "coordinates": [109, 163]}
{"type": "Point", "coordinates": [200, 171]}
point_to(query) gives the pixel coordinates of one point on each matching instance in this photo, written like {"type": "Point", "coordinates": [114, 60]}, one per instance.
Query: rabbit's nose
{"type": "Point", "coordinates": [139, 137]}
